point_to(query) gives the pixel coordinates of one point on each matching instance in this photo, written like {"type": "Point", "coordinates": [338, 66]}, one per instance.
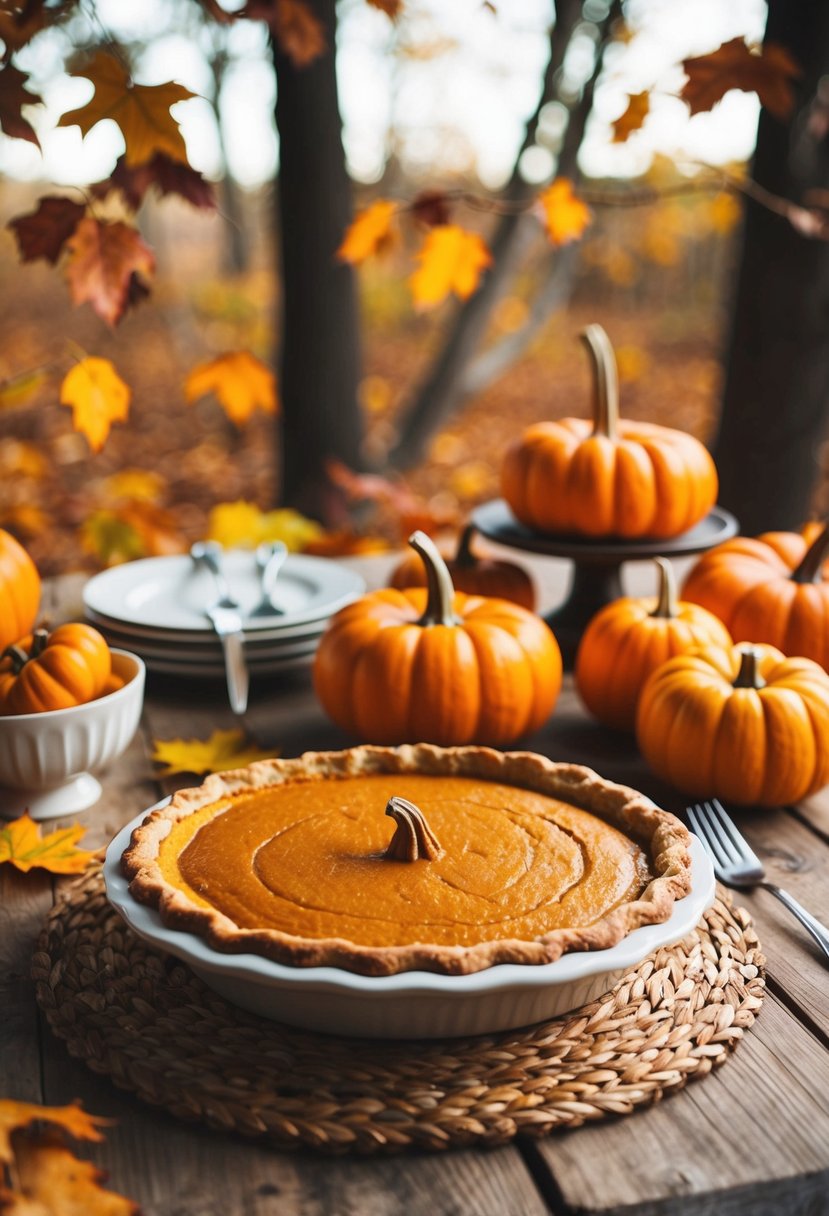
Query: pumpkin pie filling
{"type": "Point", "coordinates": [309, 860]}
{"type": "Point", "coordinates": [381, 871]}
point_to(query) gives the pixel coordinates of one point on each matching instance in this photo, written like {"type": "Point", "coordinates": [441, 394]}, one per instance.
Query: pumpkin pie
{"type": "Point", "coordinates": [378, 860]}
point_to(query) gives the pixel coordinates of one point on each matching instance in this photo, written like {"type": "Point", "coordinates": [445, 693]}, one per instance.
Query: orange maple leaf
{"type": "Point", "coordinates": [13, 97]}
{"type": "Point", "coordinates": [565, 215]}
{"type": "Point", "coordinates": [299, 32]}
{"type": "Point", "coordinates": [44, 232]}
{"type": "Point", "coordinates": [370, 232]}
{"type": "Point", "coordinates": [22, 845]}
{"type": "Point", "coordinates": [224, 750]}
{"type": "Point", "coordinates": [451, 259]}
{"type": "Point", "coordinates": [636, 111]}
{"type": "Point", "coordinates": [106, 262]}
{"type": "Point", "coordinates": [97, 397]}
{"type": "Point", "coordinates": [14, 1116]}
{"type": "Point", "coordinates": [241, 382]}
{"type": "Point", "coordinates": [392, 8]}
{"type": "Point", "coordinates": [52, 1181]}
{"type": "Point", "coordinates": [767, 71]}
{"type": "Point", "coordinates": [142, 111]}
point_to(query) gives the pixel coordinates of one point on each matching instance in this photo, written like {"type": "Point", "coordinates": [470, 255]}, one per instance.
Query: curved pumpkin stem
{"type": "Point", "coordinates": [413, 839]}
{"type": "Point", "coordinates": [666, 601]}
{"type": "Point", "coordinates": [464, 557]}
{"type": "Point", "coordinates": [18, 657]}
{"type": "Point", "coordinates": [605, 381]}
{"type": "Point", "coordinates": [441, 593]}
{"type": "Point", "coordinates": [749, 674]}
{"type": "Point", "coordinates": [809, 570]}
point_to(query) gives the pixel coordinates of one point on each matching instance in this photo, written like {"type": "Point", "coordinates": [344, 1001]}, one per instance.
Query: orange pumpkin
{"type": "Point", "coordinates": [630, 638]}
{"type": "Point", "coordinates": [56, 670]}
{"type": "Point", "coordinates": [745, 724]}
{"type": "Point", "coordinates": [471, 574]}
{"type": "Point", "coordinates": [433, 665]}
{"type": "Point", "coordinates": [768, 589]}
{"type": "Point", "coordinates": [19, 591]}
{"type": "Point", "coordinates": [613, 478]}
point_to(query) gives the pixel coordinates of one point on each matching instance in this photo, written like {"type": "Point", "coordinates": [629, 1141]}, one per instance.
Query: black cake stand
{"type": "Point", "coordinates": [596, 574]}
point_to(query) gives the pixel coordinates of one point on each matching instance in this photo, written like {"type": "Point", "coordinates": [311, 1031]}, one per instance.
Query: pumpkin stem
{"type": "Point", "coordinates": [413, 839]}
{"type": "Point", "coordinates": [749, 674]}
{"type": "Point", "coordinates": [18, 657]}
{"type": "Point", "coordinates": [441, 593]}
{"type": "Point", "coordinates": [39, 640]}
{"type": "Point", "coordinates": [809, 569]}
{"type": "Point", "coordinates": [605, 381]}
{"type": "Point", "coordinates": [464, 557]}
{"type": "Point", "coordinates": [666, 601]}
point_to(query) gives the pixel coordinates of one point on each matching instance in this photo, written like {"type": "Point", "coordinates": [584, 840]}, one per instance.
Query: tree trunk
{"type": "Point", "coordinates": [777, 381]}
{"type": "Point", "coordinates": [435, 398]}
{"type": "Point", "coordinates": [320, 356]}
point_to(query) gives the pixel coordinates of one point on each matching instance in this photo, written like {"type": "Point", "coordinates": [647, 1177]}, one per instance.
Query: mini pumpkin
{"type": "Point", "coordinates": [771, 588]}
{"type": "Point", "coordinates": [744, 724]}
{"type": "Point", "coordinates": [629, 638]}
{"type": "Point", "coordinates": [436, 666]}
{"type": "Point", "coordinates": [471, 574]}
{"type": "Point", "coordinates": [19, 591]}
{"type": "Point", "coordinates": [611, 478]}
{"type": "Point", "coordinates": [69, 666]}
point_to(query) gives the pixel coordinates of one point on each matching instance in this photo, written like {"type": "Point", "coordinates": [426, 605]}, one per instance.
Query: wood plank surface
{"type": "Point", "coordinates": [752, 1137]}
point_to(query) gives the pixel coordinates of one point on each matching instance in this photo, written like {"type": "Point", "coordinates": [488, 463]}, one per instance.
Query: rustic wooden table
{"type": "Point", "coordinates": [752, 1137]}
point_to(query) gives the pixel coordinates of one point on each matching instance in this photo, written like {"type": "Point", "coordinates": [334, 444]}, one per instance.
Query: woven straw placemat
{"type": "Point", "coordinates": [143, 1019]}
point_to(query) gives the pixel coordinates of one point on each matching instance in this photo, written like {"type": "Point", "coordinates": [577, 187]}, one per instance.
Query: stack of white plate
{"type": "Point", "coordinates": [156, 608]}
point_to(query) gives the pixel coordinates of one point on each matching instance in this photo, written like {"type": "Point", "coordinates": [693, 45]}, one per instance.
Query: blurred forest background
{"type": "Point", "coordinates": [437, 100]}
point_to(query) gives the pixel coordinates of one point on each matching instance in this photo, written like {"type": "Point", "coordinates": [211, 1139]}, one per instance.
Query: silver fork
{"type": "Point", "coordinates": [270, 558]}
{"type": "Point", "coordinates": [737, 865]}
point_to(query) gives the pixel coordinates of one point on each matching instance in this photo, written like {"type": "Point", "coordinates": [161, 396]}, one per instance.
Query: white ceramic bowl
{"type": "Point", "coordinates": [45, 758]}
{"type": "Point", "coordinates": [412, 1004]}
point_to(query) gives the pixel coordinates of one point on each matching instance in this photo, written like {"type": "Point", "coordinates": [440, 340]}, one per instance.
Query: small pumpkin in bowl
{"type": "Point", "coordinates": [612, 477]}
{"type": "Point", "coordinates": [771, 588]}
{"type": "Point", "coordinates": [471, 573]}
{"type": "Point", "coordinates": [69, 666]}
{"type": "Point", "coordinates": [433, 665]}
{"type": "Point", "coordinates": [745, 724]}
{"type": "Point", "coordinates": [19, 591]}
{"type": "Point", "coordinates": [629, 638]}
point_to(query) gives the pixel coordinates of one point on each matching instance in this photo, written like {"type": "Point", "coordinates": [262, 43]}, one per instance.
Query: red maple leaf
{"type": "Point", "coordinates": [43, 233]}
{"type": "Point", "coordinates": [12, 98]}
{"type": "Point", "coordinates": [167, 175]}
{"type": "Point", "coordinates": [107, 266]}
{"type": "Point", "coordinates": [431, 207]}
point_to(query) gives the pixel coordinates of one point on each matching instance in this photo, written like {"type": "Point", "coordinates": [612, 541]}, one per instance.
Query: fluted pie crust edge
{"type": "Point", "coordinates": [663, 837]}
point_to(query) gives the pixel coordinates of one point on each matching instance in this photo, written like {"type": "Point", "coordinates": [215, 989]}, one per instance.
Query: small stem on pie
{"type": "Point", "coordinates": [413, 839]}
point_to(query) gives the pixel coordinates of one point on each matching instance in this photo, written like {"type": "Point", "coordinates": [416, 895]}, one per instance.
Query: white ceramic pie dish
{"type": "Point", "coordinates": [411, 1004]}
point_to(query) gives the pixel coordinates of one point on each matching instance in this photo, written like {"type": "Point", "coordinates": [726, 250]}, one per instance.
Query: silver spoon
{"type": "Point", "coordinates": [270, 558]}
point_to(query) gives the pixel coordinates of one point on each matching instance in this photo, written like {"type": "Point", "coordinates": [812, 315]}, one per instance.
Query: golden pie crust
{"type": "Point", "coordinates": [286, 859]}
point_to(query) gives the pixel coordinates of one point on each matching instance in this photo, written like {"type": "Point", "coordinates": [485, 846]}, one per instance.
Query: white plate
{"type": "Point", "coordinates": [134, 634]}
{"type": "Point", "coordinates": [170, 593]}
{"type": "Point", "coordinates": [216, 671]}
{"type": "Point", "coordinates": [412, 1004]}
{"type": "Point", "coordinates": [210, 650]}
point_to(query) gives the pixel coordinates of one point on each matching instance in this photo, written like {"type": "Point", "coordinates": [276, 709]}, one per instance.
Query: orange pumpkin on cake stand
{"type": "Point", "coordinates": [603, 492]}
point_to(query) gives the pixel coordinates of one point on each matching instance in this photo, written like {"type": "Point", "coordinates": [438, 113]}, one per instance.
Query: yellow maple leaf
{"type": "Point", "coordinates": [97, 396]}
{"type": "Point", "coordinates": [137, 485]}
{"type": "Point", "coordinates": [370, 232]}
{"type": "Point", "coordinates": [637, 110]}
{"type": "Point", "coordinates": [14, 1116]}
{"type": "Point", "coordinates": [241, 382]}
{"type": "Point", "coordinates": [565, 215]}
{"type": "Point", "coordinates": [451, 259]}
{"type": "Point", "coordinates": [225, 749]}
{"type": "Point", "coordinates": [141, 111]}
{"type": "Point", "coordinates": [241, 525]}
{"type": "Point", "coordinates": [22, 845]}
